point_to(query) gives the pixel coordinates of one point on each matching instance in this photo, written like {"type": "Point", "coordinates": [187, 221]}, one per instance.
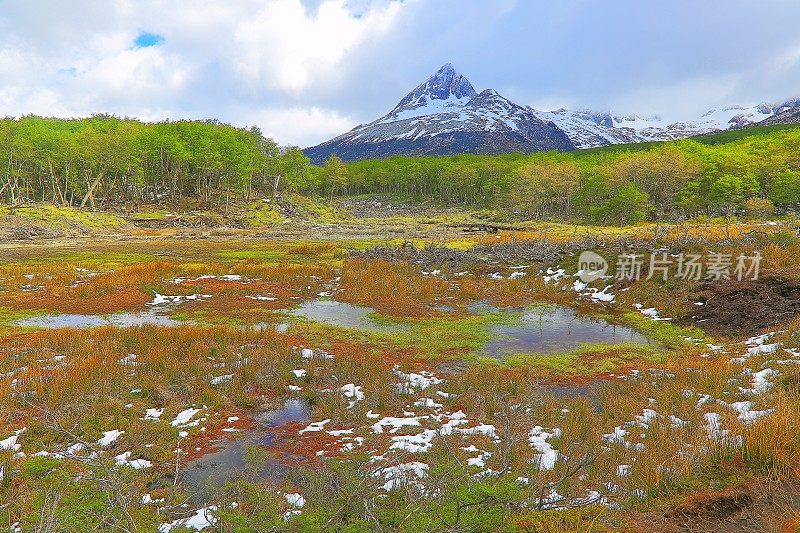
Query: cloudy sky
{"type": "Point", "coordinates": [306, 70]}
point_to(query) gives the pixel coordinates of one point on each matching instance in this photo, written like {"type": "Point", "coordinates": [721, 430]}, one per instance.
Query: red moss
{"type": "Point", "coordinates": [120, 300]}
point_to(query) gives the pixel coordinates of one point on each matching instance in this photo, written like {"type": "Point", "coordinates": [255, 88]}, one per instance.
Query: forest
{"type": "Point", "coordinates": [104, 162]}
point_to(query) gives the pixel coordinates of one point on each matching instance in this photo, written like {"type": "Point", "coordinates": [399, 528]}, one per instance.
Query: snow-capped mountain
{"type": "Point", "coordinates": [445, 115]}
{"type": "Point", "coordinates": [588, 129]}
{"type": "Point", "coordinates": [786, 113]}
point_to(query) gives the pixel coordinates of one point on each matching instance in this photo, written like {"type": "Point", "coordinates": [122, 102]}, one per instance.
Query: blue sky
{"type": "Point", "coordinates": [145, 39]}
{"type": "Point", "coordinates": [304, 71]}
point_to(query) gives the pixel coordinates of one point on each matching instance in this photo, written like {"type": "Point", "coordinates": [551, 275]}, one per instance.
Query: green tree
{"type": "Point", "coordinates": [727, 193]}
{"type": "Point", "coordinates": [627, 206]}
{"type": "Point", "coordinates": [544, 189]}
{"type": "Point", "coordinates": [295, 167]}
{"type": "Point", "coordinates": [785, 189]}
{"type": "Point", "coordinates": [335, 175]}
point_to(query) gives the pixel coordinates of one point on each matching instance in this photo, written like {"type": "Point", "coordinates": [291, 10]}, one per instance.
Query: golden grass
{"type": "Point", "coordinates": [772, 443]}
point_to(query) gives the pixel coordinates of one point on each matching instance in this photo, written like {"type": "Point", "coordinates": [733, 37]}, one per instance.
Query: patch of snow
{"type": "Point", "coordinates": [427, 403]}
{"type": "Point", "coordinates": [617, 436]}
{"type": "Point", "coordinates": [10, 443]}
{"type": "Point", "coordinates": [314, 426]}
{"type": "Point", "coordinates": [261, 298]}
{"type": "Point", "coordinates": [554, 275]}
{"type": "Point", "coordinates": [416, 381]}
{"type": "Point", "coordinates": [203, 518]}
{"type": "Point", "coordinates": [402, 474]}
{"type": "Point", "coordinates": [153, 414]}
{"type": "Point", "coordinates": [714, 427]}
{"type": "Point", "coordinates": [161, 299]}
{"type": "Point", "coordinates": [183, 418]}
{"type": "Point", "coordinates": [221, 379]}
{"type": "Point", "coordinates": [295, 500]}
{"type": "Point", "coordinates": [353, 392]}
{"type": "Point", "coordinates": [110, 437]}
{"type": "Point", "coordinates": [547, 456]}
{"type": "Point", "coordinates": [124, 459]}
{"type": "Point", "coordinates": [395, 423]}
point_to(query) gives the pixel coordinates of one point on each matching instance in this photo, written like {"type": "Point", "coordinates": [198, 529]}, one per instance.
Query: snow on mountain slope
{"type": "Point", "coordinates": [444, 115]}
{"type": "Point", "coordinates": [587, 129]}
{"type": "Point", "coordinates": [789, 115]}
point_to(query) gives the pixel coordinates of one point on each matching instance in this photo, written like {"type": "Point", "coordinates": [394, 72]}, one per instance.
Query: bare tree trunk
{"type": "Point", "coordinates": [275, 187]}
{"type": "Point", "coordinates": [58, 197]}
{"type": "Point", "coordinates": [8, 178]}
{"type": "Point", "coordinates": [90, 193]}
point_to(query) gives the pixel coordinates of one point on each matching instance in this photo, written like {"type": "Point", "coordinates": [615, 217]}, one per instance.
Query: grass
{"type": "Point", "coordinates": [589, 359]}
{"type": "Point", "coordinates": [663, 332]}
{"type": "Point", "coordinates": [317, 209]}
{"type": "Point", "coordinates": [443, 337]}
{"type": "Point", "coordinates": [63, 217]}
{"type": "Point", "coordinates": [92, 260]}
{"type": "Point", "coordinates": [432, 337]}
{"type": "Point", "coordinates": [260, 255]}
{"type": "Point", "coordinates": [260, 214]}
{"type": "Point", "coordinates": [8, 318]}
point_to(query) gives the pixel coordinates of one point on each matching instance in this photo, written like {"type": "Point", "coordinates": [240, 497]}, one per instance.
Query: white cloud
{"type": "Point", "coordinates": [648, 100]}
{"type": "Point", "coordinates": [295, 125]}
{"type": "Point", "coordinates": [247, 62]}
{"type": "Point", "coordinates": [285, 47]}
{"type": "Point", "coordinates": [141, 76]}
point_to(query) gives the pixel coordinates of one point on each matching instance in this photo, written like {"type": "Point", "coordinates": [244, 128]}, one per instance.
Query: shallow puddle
{"type": "Point", "coordinates": [344, 315]}
{"type": "Point", "coordinates": [553, 329]}
{"type": "Point", "coordinates": [122, 320]}
{"type": "Point", "coordinates": [233, 457]}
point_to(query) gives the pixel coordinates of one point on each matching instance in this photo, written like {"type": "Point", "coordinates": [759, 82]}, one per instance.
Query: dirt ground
{"type": "Point", "coordinates": [746, 509]}
{"type": "Point", "coordinates": [736, 308]}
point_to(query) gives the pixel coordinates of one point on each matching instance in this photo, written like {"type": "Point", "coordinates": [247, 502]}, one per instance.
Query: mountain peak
{"type": "Point", "coordinates": [446, 68]}
{"type": "Point", "coordinates": [442, 116]}
{"type": "Point", "coordinates": [444, 84]}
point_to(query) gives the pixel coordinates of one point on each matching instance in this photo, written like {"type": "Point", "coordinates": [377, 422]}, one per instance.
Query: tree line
{"type": "Point", "coordinates": [755, 170]}
{"type": "Point", "coordinates": [104, 161]}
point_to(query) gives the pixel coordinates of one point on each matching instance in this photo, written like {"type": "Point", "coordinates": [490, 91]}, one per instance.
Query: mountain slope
{"type": "Point", "coordinates": [444, 115]}
{"type": "Point", "coordinates": [786, 113]}
{"type": "Point", "coordinates": [587, 129]}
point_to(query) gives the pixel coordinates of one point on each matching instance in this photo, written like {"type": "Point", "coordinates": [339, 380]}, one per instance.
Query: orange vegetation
{"type": "Point", "coordinates": [128, 299]}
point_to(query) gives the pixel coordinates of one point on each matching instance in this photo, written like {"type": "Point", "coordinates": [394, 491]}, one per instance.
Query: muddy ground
{"type": "Point", "coordinates": [733, 307]}
{"type": "Point", "coordinates": [743, 509]}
